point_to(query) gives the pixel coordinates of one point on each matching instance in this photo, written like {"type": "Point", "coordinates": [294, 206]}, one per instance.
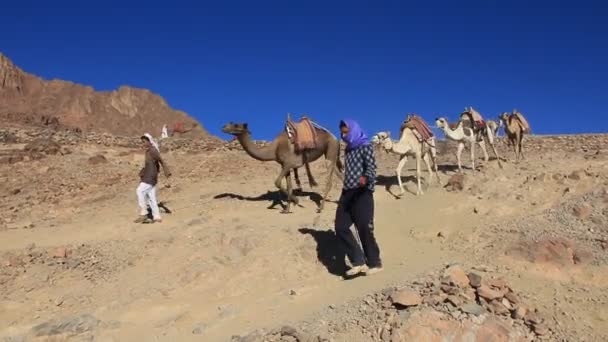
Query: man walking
{"type": "Point", "coordinates": [356, 203]}
{"type": "Point", "coordinates": [146, 191]}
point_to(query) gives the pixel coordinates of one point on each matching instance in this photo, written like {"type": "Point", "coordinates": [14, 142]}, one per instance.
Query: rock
{"type": "Point", "coordinates": [559, 251]}
{"type": "Point", "coordinates": [582, 212]}
{"type": "Point", "coordinates": [450, 290]}
{"type": "Point", "coordinates": [493, 330]}
{"type": "Point", "coordinates": [288, 330]}
{"type": "Point", "coordinates": [486, 292]}
{"type": "Point", "coordinates": [532, 318]}
{"type": "Point", "coordinates": [98, 159]}
{"type": "Point", "coordinates": [406, 298]}
{"type": "Point", "coordinates": [474, 279]}
{"type": "Point", "coordinates": [456, 301]}
{"type": "Point", "coordinates": [519, 312]}
{"type": "Point", "coordinates": [385, 336]}
{"type": "Point", "coordinates": [498, 308]}
{"type": "Point", "coordinates": [512, 297]}
{"type": "Point", "coordinates": [43, 145]}
{"type": "Point", "coordinates": [457, 276]}
{"type": "Point", "coordinates": [455, 183]}
{"type": "Point", "coordinates": [72, 326]}
{"type": "Point", "coordinates": [469, 294]}
{"type": "Point", "coordinates": [540, 329]}
{"type": "Point", "coordinates": [575, 175]}
{"type": "Point", "coordinates": [15, 261]}
{"type": "Point", "coordinates": [61, 252]}
{"type": "Point", "coordinates": [43, 170]}
{"type": "Point", "coordinates": [199, 329]}
{"type": "Point", "coordinates": [505, 302]}
{"type": "Point", "coordinates": [472, 308]}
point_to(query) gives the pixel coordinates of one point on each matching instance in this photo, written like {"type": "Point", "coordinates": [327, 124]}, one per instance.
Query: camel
{"type": "Point", "coordinates": [494, 127]}
{"type": "Point", "coordinates": [408, 145]}
{"type": "Point", "coordinates": [282, 151]}
{"type": "Point", "coordinates": [516, 127]}
{"type": "Point", "coordinates": [462, 135]}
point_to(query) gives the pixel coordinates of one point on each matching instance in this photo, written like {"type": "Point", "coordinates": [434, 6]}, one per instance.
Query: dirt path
{"type": "Point", "coordinates": [223, 264]}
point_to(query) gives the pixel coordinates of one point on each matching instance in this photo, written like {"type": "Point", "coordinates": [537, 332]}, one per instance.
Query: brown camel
{"type": "Point", "coordinates": [516, 127]}
{"type": "Point", "coordinates": [282, 151]}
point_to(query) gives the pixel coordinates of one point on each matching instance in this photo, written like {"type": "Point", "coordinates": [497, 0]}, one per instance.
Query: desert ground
{"type": "Point", "coordinates": [530, 240]}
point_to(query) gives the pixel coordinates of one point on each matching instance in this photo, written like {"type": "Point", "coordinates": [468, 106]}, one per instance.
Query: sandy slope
{"type": "Point", "coordinates": [223, 264]}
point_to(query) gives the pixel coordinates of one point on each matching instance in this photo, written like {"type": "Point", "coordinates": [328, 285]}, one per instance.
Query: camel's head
{"type": "Point", "coordinates": [468, 111]}
{"type": "Point", "coordinates": [442, 123]}
{"type": "Point", "coordinates": [380, 137]}
{"type": "Point", "coordinates": [387, 144]}
{"type": "Point", "coordinates": [503, 117]}
{"type": "Point", "coordinates": [235, 128]}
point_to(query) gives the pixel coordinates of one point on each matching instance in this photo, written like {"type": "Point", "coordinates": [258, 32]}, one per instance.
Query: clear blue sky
{"type": "Point", "coordinates": [373, 61]}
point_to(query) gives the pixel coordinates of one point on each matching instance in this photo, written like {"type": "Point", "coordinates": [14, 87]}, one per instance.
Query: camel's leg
{"type": "Point", "coordinates": [418, 175]}
{"type": "Point", "coordinates": [512, 142]}
{"type": "Point", "coordinates": [289, 193]}
{"type": "Point", "coordinates": [473, 154]}
{"type": "Point", "coordinates": [435, 166]}
{"type": "Point", "coordinates": [425, 158]}
{"type": "Point", "coordinates": [333, 155]}
{"type": "Point", "coordinates": [298, 183]}
{"type": "Point", "coordinates": [521, 147]}
{"type": "Point", "coordinates": [400, 166]}
{"type": "Point", "coordinates": [311, 181]}
{"type": "Point", "coordinates": [482, 144]}
{"type": "Point", "coordinates": [278, 183]}
{"type": "Point", "coordinates": [495, 153]}
{"type": "Point", "coordinates": [458, 154]}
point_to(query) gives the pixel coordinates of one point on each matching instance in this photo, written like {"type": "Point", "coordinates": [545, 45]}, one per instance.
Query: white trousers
{"type": "Point", "coordinates": [146, 194]}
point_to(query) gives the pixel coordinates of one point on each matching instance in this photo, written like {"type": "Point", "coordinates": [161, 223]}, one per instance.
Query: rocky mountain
{"type": "Point", "coordinates": [26, 99]}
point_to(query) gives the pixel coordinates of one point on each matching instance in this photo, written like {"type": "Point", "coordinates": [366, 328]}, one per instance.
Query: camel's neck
{"type": "Point", "coordinates": [267, 153]}
{"type": "Point", "coordinates": [403, 145]}
{"type": "Point", "coordinates": [509, 126]}
{"type": "Point", "coordinates": [454, 134]}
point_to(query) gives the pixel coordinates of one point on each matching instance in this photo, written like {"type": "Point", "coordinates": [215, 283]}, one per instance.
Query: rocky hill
{"type": "Point", "coordinates": [26, 99]}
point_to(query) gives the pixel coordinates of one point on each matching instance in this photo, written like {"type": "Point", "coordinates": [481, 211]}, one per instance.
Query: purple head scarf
{"type": "Point", "coordinates": [355, 137]}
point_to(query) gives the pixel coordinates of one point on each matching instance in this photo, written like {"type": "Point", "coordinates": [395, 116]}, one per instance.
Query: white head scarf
{"type": "Point", "coordinates": [147, 135]}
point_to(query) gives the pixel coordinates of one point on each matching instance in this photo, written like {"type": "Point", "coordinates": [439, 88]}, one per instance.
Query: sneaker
{"type": "Point", "coordinates": [374, 270]}
{"type": "Point", "coordinates": [356, 270]}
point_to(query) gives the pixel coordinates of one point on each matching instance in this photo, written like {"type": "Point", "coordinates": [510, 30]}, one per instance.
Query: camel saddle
{"type": "Point", "coordinates": [474, 121]}
{"type": "Point", "coordinates": [419, 126]}
{"type": "Point", "coordinates": [302, 134]}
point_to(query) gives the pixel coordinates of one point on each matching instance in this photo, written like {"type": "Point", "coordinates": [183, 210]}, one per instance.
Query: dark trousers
{"type": "Point", "coordinates": [357, 206]}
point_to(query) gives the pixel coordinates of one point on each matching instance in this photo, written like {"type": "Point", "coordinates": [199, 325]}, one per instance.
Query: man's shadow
{"type": "Point", "coordinates": [162, 207]}
{"type": "Point", "coordinates": [330, 251]}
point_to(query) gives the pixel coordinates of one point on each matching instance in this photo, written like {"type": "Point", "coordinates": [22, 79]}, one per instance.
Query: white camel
{"type": "Point", "coordinates": [408, 145]}
{"type": "Point", "coordinates": [463, 135]}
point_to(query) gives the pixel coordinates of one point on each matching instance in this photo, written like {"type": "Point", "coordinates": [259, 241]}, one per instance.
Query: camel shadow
{"type": "Point", "coordinates": [330, 251]}
{"type": "Point", "coordinates": [445, 168]}
{"type": "Point", "coordinates": [275, 197]}
{"type": "Point", "coordinates": [391, 181]}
